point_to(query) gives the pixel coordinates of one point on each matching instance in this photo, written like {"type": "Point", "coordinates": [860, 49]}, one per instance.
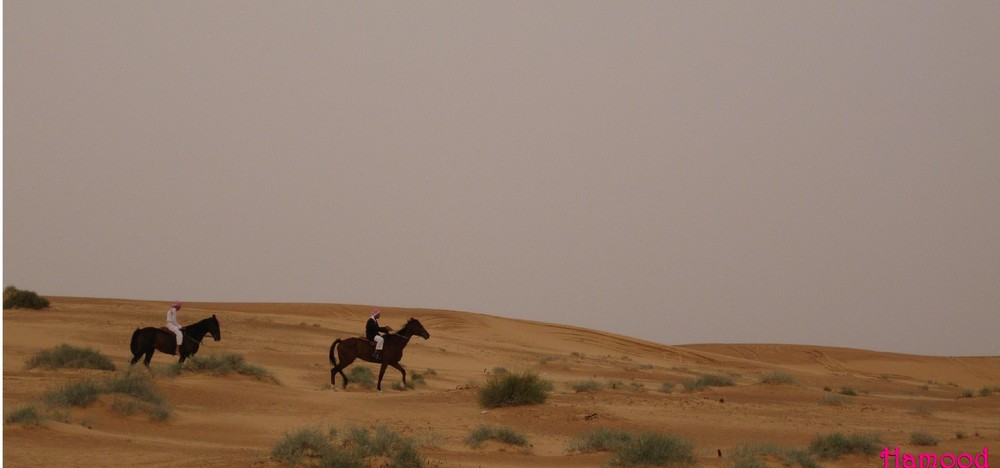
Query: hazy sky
{"type": "Point", "coordinates": [785, 172]}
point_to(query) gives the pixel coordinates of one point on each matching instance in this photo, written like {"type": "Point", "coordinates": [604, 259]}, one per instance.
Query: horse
{"type": "Point", "coordinates": [360, 348]}
{"type": "Point", "coordinates": [146, 340]}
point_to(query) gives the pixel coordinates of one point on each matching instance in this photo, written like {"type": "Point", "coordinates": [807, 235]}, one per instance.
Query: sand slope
{"type": "Point", "coordinates": [236, 420]}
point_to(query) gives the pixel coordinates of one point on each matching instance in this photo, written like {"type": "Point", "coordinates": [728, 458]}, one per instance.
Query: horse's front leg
{"type": "Point", "coordinates": [399, 367]}
{"type": "Point", "coordinates": [381, 372]}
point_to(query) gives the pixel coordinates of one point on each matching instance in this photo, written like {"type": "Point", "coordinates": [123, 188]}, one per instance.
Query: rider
{"type": "Point", "coordinates": [174, 326]}
{"type": "Point", "coordinates": [372, 330]}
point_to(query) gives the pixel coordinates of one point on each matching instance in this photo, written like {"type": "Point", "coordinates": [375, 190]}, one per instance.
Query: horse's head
{"type": "Point", "coordinates": [413, 327]}
{"type": "Point", "coordinates": [213, 328]}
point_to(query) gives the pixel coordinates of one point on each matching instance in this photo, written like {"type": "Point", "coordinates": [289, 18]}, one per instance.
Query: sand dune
{"type": "Point", "coordinates": [235, 420]}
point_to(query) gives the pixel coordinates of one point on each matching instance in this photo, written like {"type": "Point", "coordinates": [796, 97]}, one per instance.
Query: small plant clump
{"type": "Point", "coordinates": [70, 357]}
{"type": "Point", "coordinates": [500, 434]}
{"type": "Point", "coordinates": [922, 438]}
{"type": "Point", "coordinates": [777, 378]}
{"type": "Point", "coordinates": [514, 389]}
{"type": "Point", "coordinates": [228, 363]}
{"type": "Point", "coordinates": [707, 380]}
{"type": "Point", "coordinates": [313, 447]}
{"type": "Point", "coordinates": [25, 415]}
{"type": "Point", "coordinates": [14, 298]}
{"type": "Point", "coordinates": [582, 386]}
{"type": "Point", "coordinates": [833, 446]}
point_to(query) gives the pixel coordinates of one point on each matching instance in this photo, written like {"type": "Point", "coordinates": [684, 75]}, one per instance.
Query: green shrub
{"type": "Point", "coordinates": [362, 443]}
{"type": "Point", "coordinates": [25, 415]}
{"type": "Point", "coordinates": [228, 363]}
{"type": "Point", "coordinates": [777, 378]}
{"type": "Point", "coordinates": [362, 376]}
{"type": "Point", "coordinates": [137, 385]}
{"type": "Point", "coordinates": [832, 400]}
{"type": "Point", "coordinates": [514, 389]}
{"type": "Point", "coordinates": [654, 449]}
{"type": "Point", "coordinates": [922, 438]}
{"type": "Point", "coordinates": [599, 440]}
{"type": "Point", "coordinates": [835, 445]}
{"type": "Point", "coordinates": [584, 386]}
{"type": "Point", "coordinates": [66, 356]}
{"type": "Point", "coordinates": [967, 393]}
{"type": "Point", "coordinates": [749, 456]}
{"type": "Point", "coordinates": [667, 387]}
{"type": "Point", "coordinates": [985, 391]}
{"type": "Point", "coordinates": [499, 434]}
{"type": "Point", "coordinates": [81, 394]}
{"type": "Point", "coordinates": [707, 380]}
{"type": "Point", "coordinates": [14, 298]}
{"type": "Point", "coordinates": [304, 443]}
{"type": "Point", "coordinates": [848, 391]}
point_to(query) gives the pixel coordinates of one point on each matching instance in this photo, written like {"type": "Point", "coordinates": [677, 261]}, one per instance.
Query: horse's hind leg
{"type": "Point", "coordinates": [149, 357]}
{"type": "Point", "coordinates": [333, 375]}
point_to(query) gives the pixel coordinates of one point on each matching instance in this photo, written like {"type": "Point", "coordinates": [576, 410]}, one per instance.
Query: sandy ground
{"type": "Point", "coordinates": [233, 420]}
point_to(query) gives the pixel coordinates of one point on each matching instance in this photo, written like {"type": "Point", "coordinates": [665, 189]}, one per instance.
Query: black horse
{"type": "Point", "coordinates": [360, 348]}
{"type": "Point", "coordinates": [146, 340]}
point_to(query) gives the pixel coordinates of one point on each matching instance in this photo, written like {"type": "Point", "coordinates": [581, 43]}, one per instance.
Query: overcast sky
{"type": "Point", "coordinates": [781, 172]}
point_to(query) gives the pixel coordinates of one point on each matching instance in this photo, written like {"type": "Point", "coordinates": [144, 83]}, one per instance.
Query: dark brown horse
{"type": "Point", "coordinates": [360, 348]}
{"type": "Point", "coordinates": [146, 340]}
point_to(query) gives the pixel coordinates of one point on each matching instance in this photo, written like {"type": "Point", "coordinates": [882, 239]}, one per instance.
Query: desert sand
{"type": "Point", "coordinates": [235, 420]}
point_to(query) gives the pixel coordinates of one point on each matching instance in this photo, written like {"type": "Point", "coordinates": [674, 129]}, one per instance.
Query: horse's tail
{"type": "Point", "coordinates": [134, 345]}
{"type": "Point", "coordinates": [333, 347]}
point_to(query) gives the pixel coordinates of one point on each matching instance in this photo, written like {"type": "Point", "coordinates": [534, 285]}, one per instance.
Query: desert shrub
{"type": "Point", "coordinates": [362, 376]}
{"type": "Point", "coordinates": [125, 406]}
{"type": "Point", "coordinates": [400, 386]}
{"type": "Point", "coordinates": [139, 386]}
{"type": "Point", "coordinates": [833, 446]}
{"type": "Point", "coordinates": [832, 400]}
{"type": "Point", "coordinates": [922, 410]}
{"type": "Point", "coordinates": [599, 440]}
{"type": "Point", "coordinates": [14, 298]}
{"type": "Point", "coordinates": [25, 415]}
{"type": "Point", "coordinates": [584, 386]}
{"type": "Point", "coordinates": [500, 434]}
{"type": "Point", "coordinates": [967, 393]}
{"type": "Point", "coordinates": [303, 443]}
{"type": "Point", "coordinates": [848, 391]}
{"type": "Point", "coordinates": [777, 378]}
{"type": "Point", "coordinates": [417, 377]}
{"type": "Point", "coordinates": [362, 443]}
{"type": "Point", "coordinates": [499, 370]}
{"type": "Point", "coordinates": [66, 356]}
{"type": "Point", "coordinates": [667, 387]}
{"type": "Point", "coordinates": [514, 389]}
{"type": "Point", "coordinates": [922, 438]}
{"type": "Point", "coordinates": [985, 391]}
{"type": "Point", "coordinates": [749, 456]}
{"type": "Point", "coordinates": [139, 394]}
{"type": "Point", "coordinates": [614, 384]}
{"type": "Point", "coordinates": [654, 449]}
{"type": "Point", "coordinates": [81, 393]}
{"type": "Point", "coordinates": [707, 380]}
{"type": "Point", "coordinates": [228, 363]}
